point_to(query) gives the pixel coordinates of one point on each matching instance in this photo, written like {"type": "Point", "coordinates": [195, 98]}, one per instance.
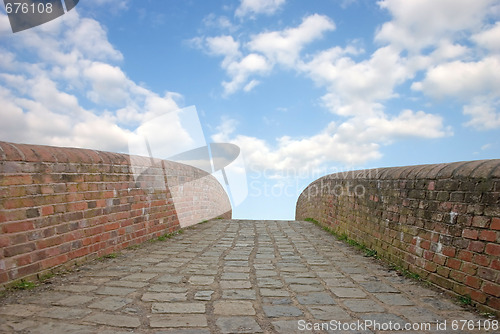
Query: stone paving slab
{"type": "Point", "coordinates": [231, 276]}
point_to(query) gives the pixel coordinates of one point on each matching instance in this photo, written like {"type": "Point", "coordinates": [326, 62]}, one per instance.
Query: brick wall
{"type": "Point", "coordinates": [63, 205]}
{"type": "Point", "coordinates": [439, 221]}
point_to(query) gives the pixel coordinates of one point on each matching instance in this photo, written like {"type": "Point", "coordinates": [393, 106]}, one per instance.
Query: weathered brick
{"type": "Point", "coordinates": [448, 251]}
{"type": "Point", "coordinates": [481, 260]}
{"type": "Point", "coordinates": [476, 246]}
{"type": "Point", "coordinates": [491, 289]}
{"type": "Point", "coordinates": [481, 221]}
{"type": "Point", "coordinates": [495, 224]}
{"type": "Point", "coordinates": [17, 227]}
{"type": "Point", "coordinates": [492, 249]}
{"type": "Point", "coordinates": [453, 263]}
{"type": "Point", "coordinates": [470, 234]}
{"type": "Point", "coordinates": [473, 282]}
{"type": "Point", "coordinates": [487, 274]}
{"type": "Point", "coordinates": [488, 235]}
{"type": "Point", "coordinates": [19, 249]}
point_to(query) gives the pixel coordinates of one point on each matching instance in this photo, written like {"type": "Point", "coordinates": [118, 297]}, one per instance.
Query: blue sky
{"type": "Point", "coordinates": [304, 88]}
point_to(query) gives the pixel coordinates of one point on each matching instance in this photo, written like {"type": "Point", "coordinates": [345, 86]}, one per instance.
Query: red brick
{"type": "Point", "coordinates": [17, 227]}
{"type": "Point", "coordinates": [54, 261]}
{"type": "Point", "coordinates": [480, 221]}
{"type": "Point", "coordinates": [478, 296]}
{"type": "Point", "coordinates": [476, 246]}
{"type": "Point", "coordinates": [27, 270]}
{"type": "Point", "coordinates": [495, 224]}
{"type": "Point", "coordinates": [448, 251]}
{"type": "Point", "coordinates": [488, 235]}
{"type": "Point", "coordinates": [23, 260]}
{"type": "Point", "coordinates": [493, 249]}
{"type": "Point", "coordinates": [494, 303]}
{"type": "Point", "coordinates": [428, 255]}
{"type": "Point", "coordinates": [491, 288]}
{"type": "Point", "coordinates": [47, 210]}
{"type": "Point", "coordinates": [469, 268]}
{"type": "Point", "coordinates": [453, 263]}
{"type": "Point", "coordinates": [10, 180]}
{"type": "Point", "coordinates": [473, 281]}
{"type": "Point", "coordinates": [4, 241]}
{"type": "Point", "coordinates": [77, 206]}
{"type": "Point", "coordinates": [482, 260]}
{"type": "Point", "coordinates": [470, 234]}
{"type": "Point", "coordinates": [495, 264]}
{"type": "Point", "coordinates": [425, 244]}
{"type": "Point", "coordinates": [439, 259]}
{"type": "Point", "coordinates": [465, 255]}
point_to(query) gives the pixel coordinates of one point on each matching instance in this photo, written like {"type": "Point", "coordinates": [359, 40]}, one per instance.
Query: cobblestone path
{"type": "Point", "coordinates": [233, 276]}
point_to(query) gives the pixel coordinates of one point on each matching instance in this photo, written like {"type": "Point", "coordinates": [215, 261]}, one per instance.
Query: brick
{"type": "Point", "coordinates": [443, 271]}
{"type": "Point", "coordinates": [495, 264]}
{"type": "Point", "coordinates": [54, 261]}
{"type": "Point", "coordinates": [491, 288]}
{"type": "Point", "coordinates": [17, 227]}
{"type": "Point", "coordinates": [492, 249]}
{"type": "Point", "coordinates": [4, 241]}
{"type": "Point", "coordinates": [487, 274]}
{"type": "Point", "coordinates": [469, 268]}
{"type": "Point", "coordinates": [481, 260]}
{"type": "Point", "coordinates": [478, 296]}
{"type": "Point", "coordinates": [473, 282]}
{"type": "Point", "coordinates": [465, 255]}
{"type": "Point", "coordinates": [480, 221]}
{"type": "Point", "coordinates": [19, 249]}
{"type": "Point", "coordinates": [470, 234]}
{"type": "Point", "coordinates": [453, 263]}
{"type": "Point", "coordinates": [47, 210]}
{"type": "Point", "coordinates": [476, 246]}
{"type": "Point", "coordinates": [448, 251]}
{"type": "Point", "coordinates": [439, 259]}
{"type": "Point", "coordinates": [488, 235]}
{"type": "Point", "coordinates": [495, 224]}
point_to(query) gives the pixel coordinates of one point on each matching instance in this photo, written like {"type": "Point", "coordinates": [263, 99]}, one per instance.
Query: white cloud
{"type": "Point", "coordinates": [109, 84]}
{"type": "Point", "coordinates": [252, 7]}
{"type": "Point", "coordinates": [355, 141]}
{"type": "Point", "coordinates": [285, 46]}
{"type": "Point", "coordinates": [462, 79]}
{"type": "Point", "coordinates": [355, 85]}
{"type": "Point", "coordinates": [417, 24]}
{"type": "Point", "coordinates": [484, 114]}
{"type": "Point", "coordinates": [489, 39]}
{"type": "Point", "coordinates": [64, 63]}
{"type": "Point", "coordinates": [266, 50]}
{"type": "Point", "coordinates": [241, 70]}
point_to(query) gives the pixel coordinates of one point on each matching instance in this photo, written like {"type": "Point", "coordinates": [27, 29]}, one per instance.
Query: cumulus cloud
{"type": "Point", "coordinates": [356, 91]}
{"type": "Point", "coordinates": [53, 70]}
{"type": "Point", "coordinates": [489, 38]}
{"type": "Point", "coordinates": [462, 79]}
{"type": "Point", "coordinates": [257, 57]}
{"type": "Point", "coordinates": [351, 85]}
{"type": "Point", "coordinates": [284, 46]}
{"type": "Point", "coordinates": [417, 24]}
{"type": "Point", "coordinates": [483, 114]}
{"type": "Point", "coordinates": [355, 141]}
{"type": "Point", "coordinates": [253, 7]}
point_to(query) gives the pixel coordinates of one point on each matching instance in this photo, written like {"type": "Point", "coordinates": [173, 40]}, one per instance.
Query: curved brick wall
{"type": "Point", "coordinates": [60, 205]}
{"type": "Point", "coordinates": [440, 221]}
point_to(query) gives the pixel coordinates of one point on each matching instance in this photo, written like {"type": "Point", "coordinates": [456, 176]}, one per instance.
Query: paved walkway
{"type": "Point", "coordinates": [230, 276]}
